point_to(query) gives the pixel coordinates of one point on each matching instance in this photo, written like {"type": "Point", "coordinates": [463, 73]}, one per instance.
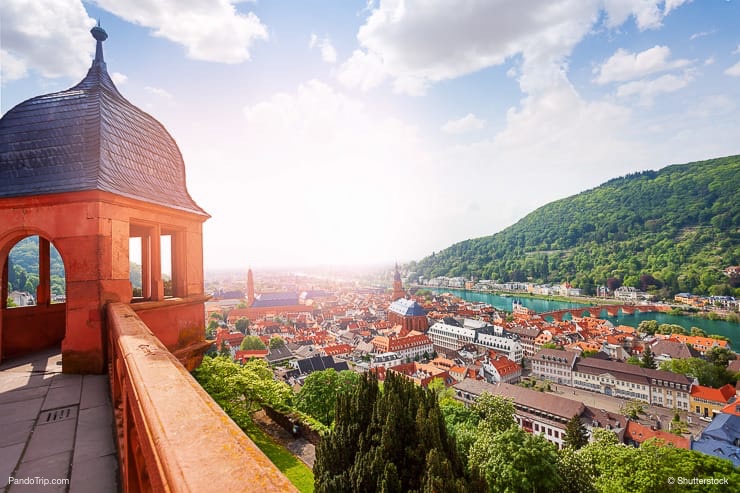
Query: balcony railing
{"type": "Point", "coordinates": [171, 435]}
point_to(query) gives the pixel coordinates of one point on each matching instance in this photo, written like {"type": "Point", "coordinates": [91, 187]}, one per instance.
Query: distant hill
{"type": "Point", "coordinates": [666, 231]}
{"type": "Point", "coordinates": [23, 272]}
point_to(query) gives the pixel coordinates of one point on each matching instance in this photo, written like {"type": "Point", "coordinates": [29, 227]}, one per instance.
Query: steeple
{"type": "Point", "coordinates": [398, 291]}
{"type": "Point", "coordinates": [100, 35]}
{"type": "Point", "coordinates": [250, 287]}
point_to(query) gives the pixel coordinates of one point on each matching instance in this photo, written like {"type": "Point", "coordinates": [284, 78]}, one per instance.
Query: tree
{"type": "Point", "coordinates": [276, 342]}
{"type": "Point", "coordinates": [318, 396]}
{"type": "Point", "coordinates": [402, 425]}
{"type": "Point", "coordinates": [648, 327]}
{"type": "Point", "coordinates": [648, 360]}
{"type": "Point", "coordinates": [239, 388]}
{"type": "Point", "coordinates": [514, 461]}
{"type": "Point", "coordinates": [720, 356]}
{"type": "Point", "coordinates": [611, 466]}
{"type": "Point", "coordinates": [242, 325]}
{"type": "Point", "coordinates": [496, 413]}
{"type": "Point", "coordinates": [576, 434]}
{"type": "Point", "coordinates": [633, 360]}
{"type": "Point", "coordinates": [252, 342]}
{"type": "Point", "coordinates": [633, 408]}
{"type": "Point", "coordinates": [697, 332]}
{"type": "Point", "coordinates": [705, 372]}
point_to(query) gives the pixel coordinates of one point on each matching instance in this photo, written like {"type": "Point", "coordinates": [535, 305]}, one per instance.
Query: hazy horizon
{"type": "Point", "coordinates": [374, 132]}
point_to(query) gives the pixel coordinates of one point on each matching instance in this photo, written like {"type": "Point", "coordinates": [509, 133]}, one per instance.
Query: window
{"type": "Point", "coordinates": [156, 262]}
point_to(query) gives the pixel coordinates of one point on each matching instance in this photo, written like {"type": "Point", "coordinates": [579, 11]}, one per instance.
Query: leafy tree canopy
{"type": "Point", "coordinates": [252, 342]}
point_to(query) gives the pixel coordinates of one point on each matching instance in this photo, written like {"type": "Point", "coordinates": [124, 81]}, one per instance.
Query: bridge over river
{"type": "Point", "coordinates": [596, 311]}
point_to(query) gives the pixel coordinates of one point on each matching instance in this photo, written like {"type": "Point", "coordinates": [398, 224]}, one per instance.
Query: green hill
{"type": "Point", "coordinates": [666, 231]}
{"type": "Point", "coordinates": [23, 267]}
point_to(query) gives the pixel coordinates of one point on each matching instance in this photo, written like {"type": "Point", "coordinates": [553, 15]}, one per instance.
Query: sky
{"type": "Point", "coordinates": [370, 132]}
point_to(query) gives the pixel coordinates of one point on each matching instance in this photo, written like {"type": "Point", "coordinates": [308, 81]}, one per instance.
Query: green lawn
{"type": "Point", "coordinates": [296, 471]}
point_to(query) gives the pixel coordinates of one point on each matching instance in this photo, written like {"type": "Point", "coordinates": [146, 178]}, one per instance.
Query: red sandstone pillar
{"type": "Point", "coordinates": [156, 264]}
{"type": "Point", "coordinates": [43, 291]}
{"type": "Point", "coordinates": [4, 288]}
{"type": "Point", "coordinates": [146, 267]}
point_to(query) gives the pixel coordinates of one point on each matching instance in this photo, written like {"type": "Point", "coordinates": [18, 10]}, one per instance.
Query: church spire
{"type": "Point", "coordinates": [100, 35]}
{"type": "Point", "coordinates": [398, 291]}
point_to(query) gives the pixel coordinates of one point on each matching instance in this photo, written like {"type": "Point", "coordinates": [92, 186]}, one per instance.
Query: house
{"type": "Point", "coordinates": [451, 335]}
{"type": "Point", "coordinates": [657, 387]}
{"type": "Point", "coordinates": [666, 349]}
{"type": "Point", "coordinates": [721, 438]}
{"type": "Point", "coordinates": [422, 373]}
{"type": "Point", "coordinates": [278, 355]}
{"type": "Point", "coordinates": [636, 434]}
{"type": "Point", "coordinates": [554, 365]}
{"type": "Point", "coordinates": [318, 363]}
{"type": "Point", "coordinates": [701, 344]}
{"type": "Point", "coordinates": [385, 360]}
{"type": "Point", "coordinates": [412, 346]}
{"type": "Point", "coordinates": [339, 350]}
{"type": "Point", "coordinates": [498, 368]}
{"type": "Point", "coordinates": [244, 355]}
{"type": "Point", "coordinates": [535, 412]}
{"type": "Point", "coordinates": [21, 298]}
{"type": "Point", "coordinates": [708, 401]}
{"type": "Point", "coordinates": [628, 293]}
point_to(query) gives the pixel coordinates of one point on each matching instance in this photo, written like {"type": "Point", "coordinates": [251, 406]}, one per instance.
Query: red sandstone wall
{"type": "Point", "coordinates": [31, 328]}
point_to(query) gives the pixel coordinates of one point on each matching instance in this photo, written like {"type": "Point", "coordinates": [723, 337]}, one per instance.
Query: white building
{"type": "Point", "coordinates": [451, 334]}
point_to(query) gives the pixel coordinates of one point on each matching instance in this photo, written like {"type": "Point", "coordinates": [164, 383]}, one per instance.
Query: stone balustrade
{"type": "Point", "coordinates": [171, 435]}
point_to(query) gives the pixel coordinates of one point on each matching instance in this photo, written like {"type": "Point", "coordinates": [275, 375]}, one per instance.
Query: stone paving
{"type": "Point", "coordinates": [55, 426]}
{"type": "Point", "coordinates": [300, 447]}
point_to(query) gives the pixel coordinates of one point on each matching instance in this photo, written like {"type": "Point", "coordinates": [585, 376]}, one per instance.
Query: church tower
{"type": "Point", "coordinates": [250, 287]}
{"type": "Point", "coordinates": [398, 291]}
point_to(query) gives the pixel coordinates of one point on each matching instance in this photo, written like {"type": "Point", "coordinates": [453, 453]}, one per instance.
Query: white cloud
{"type": "Point", "coordinates": [468, 123]}
{"type": "Point", "coordinates": [11, 68]}
{"type": "Point", "coordinates": [647, 13]}
{"type": "Point", "coordinates": [710, 61]}
{"type": "Point", "coordinates": [736, 51]}
{"type": "Point", "coordinates": [211, 30]}
{"type": "Point", "coordinates": [339, 169]}
{"type": "Point", "coordinates": [623, 65]}
{"type": "Point", "coordinates": [362, 70]}
{"type": "Point", "coordinates": [417, 42]}
{"type": "Point", "coordinates": [50, 37]}
{"type": "Point", "coordinates": [425, 42]}
{"type": "Point", "coordinates": [328, 52]}
{"type": "Point", "coordinates": [734, 71]}
{"type": "Point", "coordinates": [157, 91]}
{"type": "Point", "coordinates": [700, 34]}
{"type": "Point", "coordinates": [646, 90]}
{"type": "Point", "coordinates": [119, 78]}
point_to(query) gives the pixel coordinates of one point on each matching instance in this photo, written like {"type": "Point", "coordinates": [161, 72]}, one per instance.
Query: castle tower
{"type": "Point", "coordinates": [398, 291]}
{"type": "Point", "coordinates": [87, 171]}
{"type": "Point", "coordinates": [250, 287]}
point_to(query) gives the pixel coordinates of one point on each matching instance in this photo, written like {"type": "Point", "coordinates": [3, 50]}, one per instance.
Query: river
{"type": "Point", "coordinates": [720, 327]}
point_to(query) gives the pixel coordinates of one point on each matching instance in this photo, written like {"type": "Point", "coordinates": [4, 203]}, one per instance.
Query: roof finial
{"type": "Point", "coordinates": [100, 35]}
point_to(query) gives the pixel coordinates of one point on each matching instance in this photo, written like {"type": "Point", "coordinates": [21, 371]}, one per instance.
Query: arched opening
{"type": "Point", "coordinates": [33, 296]}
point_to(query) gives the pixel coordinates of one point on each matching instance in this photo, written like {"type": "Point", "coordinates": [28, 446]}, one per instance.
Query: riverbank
{"type": "Point", "coordinates": [676, 310]}
{"type": "Point", "coordinates": [541, 305]}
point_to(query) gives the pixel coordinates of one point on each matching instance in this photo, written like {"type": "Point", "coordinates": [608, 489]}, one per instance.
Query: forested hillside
{"type": "Point", "coordinates": [666, 231]}
{"type": "Point", "coordinates": [23, 271]}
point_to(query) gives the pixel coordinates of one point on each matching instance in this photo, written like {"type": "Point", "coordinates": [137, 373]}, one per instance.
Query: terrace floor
{"type": "Point", "coordinates": [55, 426]}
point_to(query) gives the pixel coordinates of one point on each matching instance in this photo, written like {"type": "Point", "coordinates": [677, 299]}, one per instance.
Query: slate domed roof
{"type": "Point", "coordinates": [89, 137]}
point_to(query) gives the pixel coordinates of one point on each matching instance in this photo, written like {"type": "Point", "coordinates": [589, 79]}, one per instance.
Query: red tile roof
{"type": "Point", "coordinates": [640, 433]}
{"type": "Point", "coordinates": [722, 394]}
